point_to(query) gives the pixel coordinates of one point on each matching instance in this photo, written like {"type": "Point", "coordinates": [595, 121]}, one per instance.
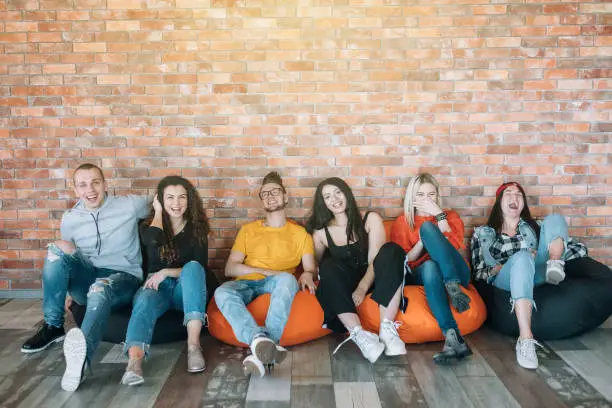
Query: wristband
{"type": "Point", "coordinates": [440, 217]}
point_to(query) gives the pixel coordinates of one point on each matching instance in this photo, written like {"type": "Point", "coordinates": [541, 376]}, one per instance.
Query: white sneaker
{"type": "Point", "coordinates": [369, 344]}
{"type": "Point", "coordinates": [554, 271]}
{"type": "Point", "coordinates": [251, 365]}
{"type": "Point", "coordinates": [281, 354]}
{"type": "Point", "coordinates": [526, 355]}
{"type": "Point", "coordinates": [75, 351]}
{"type": "Point", "coordinates": [264, 349]}
{"type": "Point", "coordinates": [394, 345]}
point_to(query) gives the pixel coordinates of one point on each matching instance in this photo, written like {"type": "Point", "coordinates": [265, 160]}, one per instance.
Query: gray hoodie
{"type": "Point", "coordinates": [114, 243]}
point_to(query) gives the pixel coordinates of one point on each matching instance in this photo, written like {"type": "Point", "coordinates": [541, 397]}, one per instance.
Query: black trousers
{"type": "Point", "coordinates": [338, 281]}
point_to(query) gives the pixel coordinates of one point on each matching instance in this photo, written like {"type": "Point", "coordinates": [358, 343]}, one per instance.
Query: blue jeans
{"type": "Point", "coordinates": [102, 290]}
{"type": "Point", "coordinates": [446, 265]}
{"type": "Point", "coordinates": [187, 293]}
{"type": "Point", "coordinates": [233, 296]}
{"type": "Point", "coordinates": [522, 272]}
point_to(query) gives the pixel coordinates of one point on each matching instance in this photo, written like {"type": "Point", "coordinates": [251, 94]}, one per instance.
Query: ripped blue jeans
{"type": "Point", "coordinates": [102, 290]}
{"type": "Point", "coordinates": [186, 293]}
{"type": "Point", "coordinates": [232, 298]}
{"type": "Point", "coordinates": [522, 271]}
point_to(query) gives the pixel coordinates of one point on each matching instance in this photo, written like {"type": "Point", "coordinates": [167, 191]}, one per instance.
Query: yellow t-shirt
{"type": "Point", "coordinates": [279, 249]}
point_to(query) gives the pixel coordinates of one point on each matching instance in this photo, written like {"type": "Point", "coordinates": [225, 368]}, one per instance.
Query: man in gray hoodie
{"type": "Point", "coordinates": [97, 261]}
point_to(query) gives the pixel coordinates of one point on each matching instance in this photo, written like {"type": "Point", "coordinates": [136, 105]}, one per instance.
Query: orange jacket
{"type": "Point", "coordinates": [407, 237]}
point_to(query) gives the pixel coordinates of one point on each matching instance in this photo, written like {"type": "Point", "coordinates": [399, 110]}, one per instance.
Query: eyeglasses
{"type": "Point", "coordinates": [275, 192]}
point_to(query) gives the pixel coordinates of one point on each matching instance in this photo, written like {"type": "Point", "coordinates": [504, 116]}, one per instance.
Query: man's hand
{"type": "Point", "coordinates": [358, 295]}
{"type": "Point", "coordinates": [155, 279]}
{"type": "Point", "coordinates": [306, 282]}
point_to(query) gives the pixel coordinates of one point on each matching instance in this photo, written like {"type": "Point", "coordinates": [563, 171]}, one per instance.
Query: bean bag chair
{"type": "Point", "coordinates": [304, 324]}
{"type": "Point", "coordinates": [418, 324]}
{"type": "Point", "coordinates": [168, 328]}
{"type": "Point", "coordinates": [580, 303]}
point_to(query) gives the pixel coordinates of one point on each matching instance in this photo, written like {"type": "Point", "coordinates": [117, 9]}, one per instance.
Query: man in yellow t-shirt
{"type": "Point", "coordinates": [263, 259]}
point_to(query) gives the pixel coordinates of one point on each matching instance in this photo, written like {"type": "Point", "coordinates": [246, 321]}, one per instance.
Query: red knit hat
{"type": "Point", "coordinates": [504, 186]}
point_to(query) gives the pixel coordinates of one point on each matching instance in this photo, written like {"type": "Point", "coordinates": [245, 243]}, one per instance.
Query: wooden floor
{"type": "Point", "coordinates": [572, 373]}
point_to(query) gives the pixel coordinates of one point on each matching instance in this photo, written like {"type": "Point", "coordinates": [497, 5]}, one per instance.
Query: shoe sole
{"type": "Point", "coordinates": [46, 346]}
{"type": "Point", "coordinates": [529, 367]}
{"type": "Point", "coordinates": [196, 370]}
{"type": "Point", "coordinates": [250, 368]}
{"type": "Point", "coordinates": [132, 380]}
{"type": "Point", "coordinates": [446, 360]}
{"type": "Point", "coordinates": [281, 354]}
{"type": "Point", "coordinates": [394, 354]}
{"type": "Point", "coordinates": [265, 351]}
{"type": "Point", "coordinates": [554, 277]}
{"type": "Point", "coordinates": [75, 350]}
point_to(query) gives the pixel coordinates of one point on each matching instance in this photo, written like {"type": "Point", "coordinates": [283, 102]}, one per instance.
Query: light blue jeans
{"type": "Point", "coordinates": [233, 296]}
{"type": "Point", "coordinates": [187, 293]}
{"type": "Point", "coordinates": [523, 271]}
{"type": "Point", "coordinates": [102, 290]}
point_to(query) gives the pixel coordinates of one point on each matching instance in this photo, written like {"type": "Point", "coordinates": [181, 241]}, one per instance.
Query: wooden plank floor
{"type": "Point", "coordinates": [573, 373]}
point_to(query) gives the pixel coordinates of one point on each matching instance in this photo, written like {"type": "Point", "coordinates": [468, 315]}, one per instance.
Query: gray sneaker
{"type": "Point", "coordinates": [195, 360]}
{"type": "Point", "coordinates": [455, 348]}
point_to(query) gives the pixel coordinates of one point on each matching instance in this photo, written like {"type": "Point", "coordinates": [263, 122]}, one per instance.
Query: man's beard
{"type": "Point", "coordinates": [279, 207]}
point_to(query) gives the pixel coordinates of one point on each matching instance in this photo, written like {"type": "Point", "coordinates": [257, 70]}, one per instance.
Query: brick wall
{"type": "Point", "coordinates": [221, 91]}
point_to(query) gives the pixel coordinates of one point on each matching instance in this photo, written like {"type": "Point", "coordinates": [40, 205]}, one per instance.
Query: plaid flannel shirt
{"type": "Point", "coordinates": [504, 246]}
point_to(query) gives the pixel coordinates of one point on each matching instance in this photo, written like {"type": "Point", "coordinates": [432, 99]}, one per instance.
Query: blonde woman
{"type": "Point", "coordinates": [425, 240]}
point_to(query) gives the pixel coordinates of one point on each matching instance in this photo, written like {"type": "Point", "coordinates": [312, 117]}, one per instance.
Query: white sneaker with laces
{"type": "Point", "coordinates": [369, 344]}
{"type": "Point", "coordinates": [394, 345]}
{"type": "Point", "coordinates": [264, 349]}
{"type": "Point", "coordinates": [526, 355]}
{"type": "Point", "coordinates": [554, 271]}
{"type": "Point", "coordinates": [252, 365]}
{"type": "Point", "coordinates": [75, 351]}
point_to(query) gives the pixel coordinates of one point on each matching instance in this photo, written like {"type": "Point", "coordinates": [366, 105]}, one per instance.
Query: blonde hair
{"type": "Point", "coordinates": [411, 191]}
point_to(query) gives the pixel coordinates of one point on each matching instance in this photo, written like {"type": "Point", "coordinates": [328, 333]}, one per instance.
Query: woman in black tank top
{"type": "Point", "coordinates": [346, 246]}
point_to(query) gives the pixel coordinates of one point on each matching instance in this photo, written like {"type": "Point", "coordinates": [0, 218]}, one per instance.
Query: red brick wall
{"type": "Point", "coordinates": [221, 91]}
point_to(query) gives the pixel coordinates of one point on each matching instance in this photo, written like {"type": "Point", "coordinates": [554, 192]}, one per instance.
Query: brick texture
{"type": "Point", "coordinates": [374, 91]}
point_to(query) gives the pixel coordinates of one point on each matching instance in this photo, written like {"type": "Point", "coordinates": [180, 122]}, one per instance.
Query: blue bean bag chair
{"type": "Point", "coordinates": [580, 303]}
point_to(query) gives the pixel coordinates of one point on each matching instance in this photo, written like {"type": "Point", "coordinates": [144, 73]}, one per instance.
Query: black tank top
{"type": "Point", "coordinates": [353, 254]}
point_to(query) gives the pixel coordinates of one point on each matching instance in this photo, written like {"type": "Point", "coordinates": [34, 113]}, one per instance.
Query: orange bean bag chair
{"type": "Point", "coordinates": [304, 324]}
{"type": "Point", "coordinates": [418, 325]}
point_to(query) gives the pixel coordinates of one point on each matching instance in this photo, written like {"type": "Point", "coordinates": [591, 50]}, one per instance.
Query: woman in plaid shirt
{"type": "Point", "coordinates": [515, 253]}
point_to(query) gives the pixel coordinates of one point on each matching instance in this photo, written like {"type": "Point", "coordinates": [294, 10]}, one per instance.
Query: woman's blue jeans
{"type": "Point", "coordinates": [523, 270]}
{"type": "Point", "coordinates": [446, 265]}
{"type": "Point", "coordinates": [187, 293]}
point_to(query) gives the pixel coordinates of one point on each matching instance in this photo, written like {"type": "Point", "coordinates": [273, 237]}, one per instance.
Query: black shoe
{"type": "Point", "coordinates": [455, 348]}
{"type": "Point", "coordinates": [46, 336]}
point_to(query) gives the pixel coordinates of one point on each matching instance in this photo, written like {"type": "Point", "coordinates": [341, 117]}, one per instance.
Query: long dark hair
{"type": "Point", "coordinates": [194, 215]}
{"type": "Point", "coordinates": [321, 215]}
{"type": "Point", "coordinates": [496, 217]}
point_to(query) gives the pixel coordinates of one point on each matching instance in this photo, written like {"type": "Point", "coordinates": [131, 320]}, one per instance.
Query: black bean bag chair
{"type": "Point", "coordinates": [169, 326]}
{"type": "Point", "coordinates": [580, 303]}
